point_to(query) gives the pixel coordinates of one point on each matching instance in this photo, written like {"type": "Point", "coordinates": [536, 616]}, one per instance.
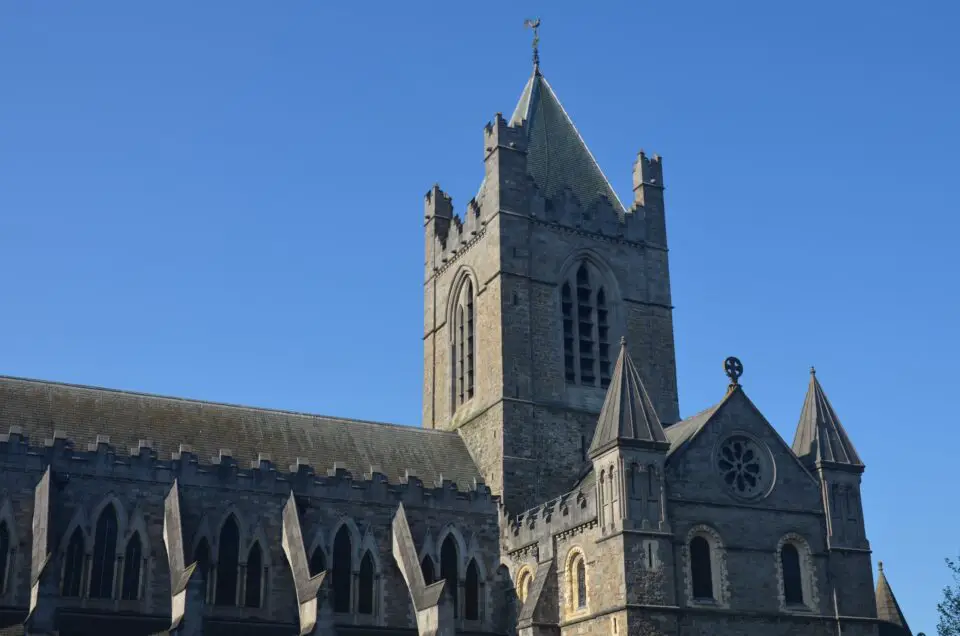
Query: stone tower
{"type": "Point", "coordinates": [527, 293]}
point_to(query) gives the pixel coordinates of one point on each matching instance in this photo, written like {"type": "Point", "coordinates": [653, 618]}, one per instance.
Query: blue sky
{"type": "Point", "coordinates": [223, 200]}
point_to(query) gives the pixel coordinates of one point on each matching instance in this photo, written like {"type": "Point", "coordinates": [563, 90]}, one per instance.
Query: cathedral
{"type": "Point", "coordinates": [552, 488]}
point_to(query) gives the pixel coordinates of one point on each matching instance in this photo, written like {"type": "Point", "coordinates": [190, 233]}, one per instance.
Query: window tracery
{"type": "Point", "coordinates": [585, 313]}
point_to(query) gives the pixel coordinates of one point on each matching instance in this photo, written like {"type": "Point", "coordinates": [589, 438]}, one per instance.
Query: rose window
{"type": "Point", "coordinates": [741, 464]}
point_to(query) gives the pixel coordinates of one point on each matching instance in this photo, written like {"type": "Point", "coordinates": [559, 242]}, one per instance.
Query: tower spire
{"type": "Point", "coordinates": [535, 25]}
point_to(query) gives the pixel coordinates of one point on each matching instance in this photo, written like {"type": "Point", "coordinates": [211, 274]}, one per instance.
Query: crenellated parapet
{"type": "Point", "coordinates": [564, 514]}
{"type": "Point", "coordinates": [104, 460]}
{"type": "Point", "coordinates": [449, 234]}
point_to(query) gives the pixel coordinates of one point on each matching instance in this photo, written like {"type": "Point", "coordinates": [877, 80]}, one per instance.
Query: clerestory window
{"type": "Point", "coordinates": [464, 319]}
{"type": "Point", "coordinates": [585, 309]}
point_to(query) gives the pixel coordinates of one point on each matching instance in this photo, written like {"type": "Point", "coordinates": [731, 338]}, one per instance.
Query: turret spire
{"type": "Point", "coordinates": [627, 416]}
{"type": "Point", "coordinates": [820, 437]}
{"type": "Point", "coordinates": [887, 607]}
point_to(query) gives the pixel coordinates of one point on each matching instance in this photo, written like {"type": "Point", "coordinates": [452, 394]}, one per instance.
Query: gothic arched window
{"type": "Point", "coordinates": [4, 554]}
{"type": "Point", "coordinates": [104, 554]}
{"type": "Point", "coordinates": [449, 560]}
{"type": "Point", "coordinates": [523, 584]}
{"type": "Point", "coordinates": [132, 556]}
{"type": "Point", "coordinates": [254, 577]}
{"type": "Point", "coordinates": [576, 581]}
{"type": "Point", "coordinates": [426, 566]}
{"type": "Point", "coordinates": [585, 310]}
{"type": "Point", "coordinates": [228, 563]}
{"type": "Point", "coordinates": [471, 592]}
{"type": "Point", "coordinates": [73, 565]}
{"type": "Point", "coordinates": [792, 577]}
{"type": "Point", "coordinates": [463, 344]}
{"type": "Point", "coordinates": [701, 569]}
{"type": "Point", "coordinates": [365, 591]}
{"type": "Point", "coordinates": [342, 570]}
{"type": "Point", "coordinates": [318, 562]}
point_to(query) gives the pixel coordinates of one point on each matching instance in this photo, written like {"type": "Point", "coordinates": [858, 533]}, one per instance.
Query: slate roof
{"type": "Point", "coordinates": [820, 437]}
{"type": "Point", "coordinates": [82, 413]}
{"type": "Point", "coordinates": [627, 416]}
{"type": "Point", "coordinates": [887, 607]}
{"type": "Point", "coordinates": [557, 156]}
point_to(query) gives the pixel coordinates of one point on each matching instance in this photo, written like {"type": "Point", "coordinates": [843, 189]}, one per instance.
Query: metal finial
{"type": "Point", "coordinates": [535, 25]}
{"type": "Point", "coordinates": [623, 341]}
{"type": "Point", "coordinates": [734, 369]}
{"type": "Point", "coordinates": [813, 370]}
{"type": "Point", "coordinates": [880, 565]}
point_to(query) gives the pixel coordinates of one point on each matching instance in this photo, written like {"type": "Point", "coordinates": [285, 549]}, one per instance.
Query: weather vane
{"type": "Point", "coordinates": [535, 25]}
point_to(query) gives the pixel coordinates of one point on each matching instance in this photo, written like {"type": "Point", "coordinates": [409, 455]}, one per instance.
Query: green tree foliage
{"type": "Point", "coordinates": [949, 607]}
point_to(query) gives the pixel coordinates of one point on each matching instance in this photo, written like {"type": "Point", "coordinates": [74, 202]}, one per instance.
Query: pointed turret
{"type": "Point", "coordinates": [627, 417]}
{"type": "Point", "coordinates": [820, 437]}
{"type": "Point", "coordinates": [557, 156]}
{"type": "Point", "coordinates": [888, 609]}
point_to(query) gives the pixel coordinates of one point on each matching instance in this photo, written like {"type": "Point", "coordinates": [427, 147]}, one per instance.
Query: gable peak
{"type": "Point", "coordinates": [820, 436]}
{"type": "Point", "coordinates": [627, 416]}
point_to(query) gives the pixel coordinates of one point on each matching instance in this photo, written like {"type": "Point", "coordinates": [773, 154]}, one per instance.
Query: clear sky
{"type": "Point", "coordinates": [223, 200]}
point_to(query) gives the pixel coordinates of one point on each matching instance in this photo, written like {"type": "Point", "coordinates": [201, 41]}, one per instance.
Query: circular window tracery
{"type": "Point", "coordinates": [744, 466]}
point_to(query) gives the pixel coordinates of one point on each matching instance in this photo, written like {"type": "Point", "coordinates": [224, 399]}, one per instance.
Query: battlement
{"type": "Point", "coordinates": [103, 460]}
{"type": "Point", "coordinates": [542, 522]}
{"type": "Point", "coordinates": [647, 171]}
{"type": "Point", "coordinates": [451, 234]}
{"type": "Point", "coordinates": [501, 134]}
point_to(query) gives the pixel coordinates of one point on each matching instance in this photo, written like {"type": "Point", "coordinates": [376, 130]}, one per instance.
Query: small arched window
{"type": "Point", "coordinates": [104, 554]}
{"type": "Point", "coordinates": [132, 557]}
{"type": "Point", "coordinates": [471, 592]}
{"type": "Point", "coordinates": [585, 312]}
{"type": "Point", "coordinates": [73, 565]}
{"type": "Point", "coordinates": [578, 582]}
{"type": "Point", "coordinates": [449, 560]}
{"type": "Point", "coordinates": [426, 566]}
{"type": "Point", "coordinates": [342, 570]}
{"type": "Point", "coordinates": [792, 576]}
{"type": "Point", "coordinates": [463, 344]}
{"type": "Point", "coordinates": [318, 562]}
{"type": "Point", "coordinates": [228, 563]}
{"type": "Point", "coordinates": [701, 569]}
{"type": "Point", "coordinates": [254, 582]}
{"type": "Point", "coordinates": [366, 585]}
{"type": "Point", "coordinates": [4, 555]}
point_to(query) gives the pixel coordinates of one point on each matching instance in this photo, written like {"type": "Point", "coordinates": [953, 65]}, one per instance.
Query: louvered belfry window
{"type": "Point", "coordinates": [464, 345]}
{"type": "Point", "coordinates": [586, 329]}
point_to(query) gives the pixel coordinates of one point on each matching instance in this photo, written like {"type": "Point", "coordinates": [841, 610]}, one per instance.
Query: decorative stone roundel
{"type": "Point", "coordinates": [745, 466]}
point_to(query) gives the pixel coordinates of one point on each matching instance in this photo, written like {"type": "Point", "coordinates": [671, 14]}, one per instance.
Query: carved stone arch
{"type": "Point", "coordinates": [79, 520]}
{"type": "Point", "coordinates": [428, 548]}
{"type": "Point", "coordinates": [203, 531]}
{"type": "Point", "coordinates": [319, 542]}
{"type": "Point", "coordinates": [257, 537]}
{"type": "Point", "coordinates": [808, 572]}
{"type": "Point", "coordinates": [464, 273]}
{"type": "Point", "coordinates": [244, 541]}
{"type": "Point", "coordinates": [718, 564]}
{"type": "Point", "coordinates": [451, 530]}
{"type": "Point", "coordinates": [122, 522]}
{"type": "Point", "coordinates": [474, 552]}
{"type": "Point", "coordinates": [9, 579]}
{"type": "Point", "coordinates": [355, 539]}
{"type": "Point", "coordinates": [137, 523]}
{"type": "Point", "coordinates": [572, 585]}
{"type": "Point", "coordinates": [611, 282]}
{"type": "Point", "coordinates": [369, 543]}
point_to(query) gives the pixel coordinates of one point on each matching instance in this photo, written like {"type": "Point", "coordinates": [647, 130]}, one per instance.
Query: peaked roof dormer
{"type": "Point", "coordinates": [557, 156]}
{"type": "Point", "coordinates": [627, 417]}
{"type": "Point", "coordinates": [820, 437]}
{"type": "Point", "coordinates": [888, 609]}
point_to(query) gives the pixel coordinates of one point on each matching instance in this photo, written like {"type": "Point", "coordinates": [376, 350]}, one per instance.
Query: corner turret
{"type": "Point", "coordinates": [648, 196]}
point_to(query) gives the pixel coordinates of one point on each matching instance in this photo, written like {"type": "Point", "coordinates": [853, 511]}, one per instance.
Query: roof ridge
{"type": "Point", "coordinates": [229, 405]}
